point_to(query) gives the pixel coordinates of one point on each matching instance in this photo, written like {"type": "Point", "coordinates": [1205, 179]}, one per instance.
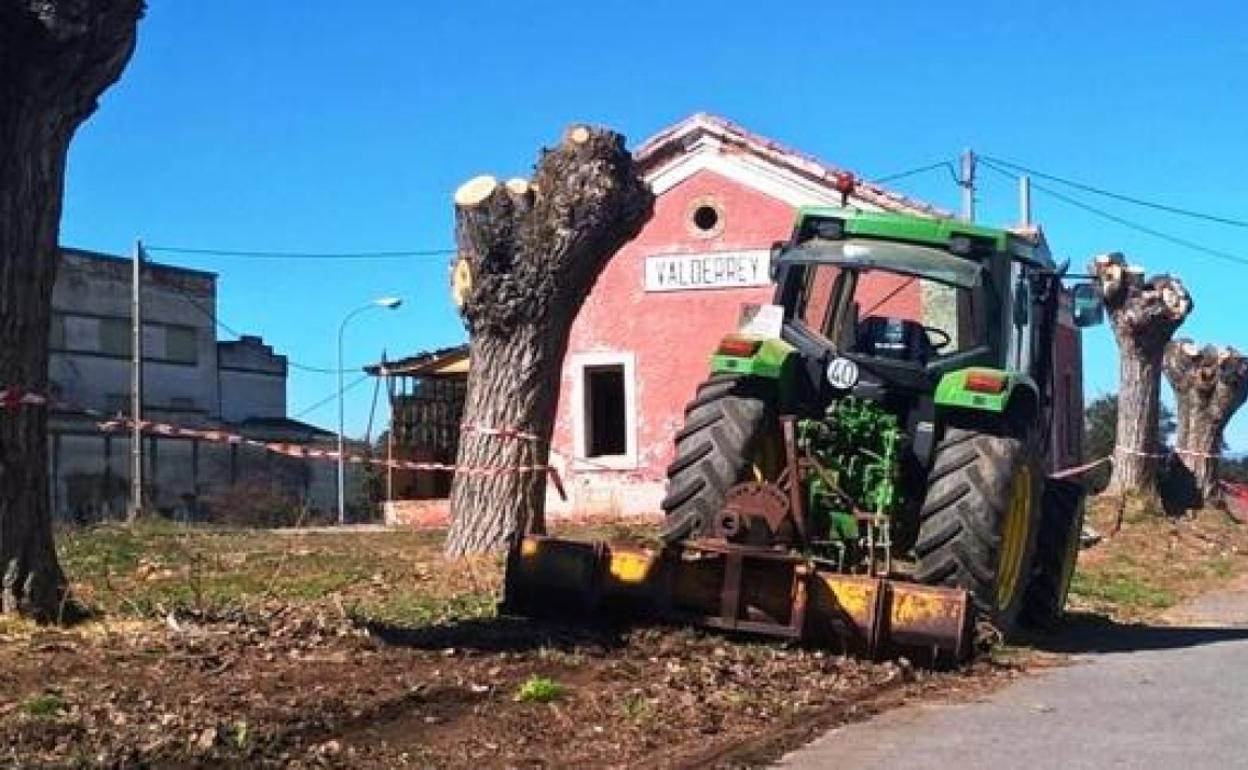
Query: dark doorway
{"type": "Point", "coordinates": [605, 432]}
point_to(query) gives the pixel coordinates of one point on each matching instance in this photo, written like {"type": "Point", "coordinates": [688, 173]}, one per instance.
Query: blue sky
{"type": "Point", "coordinates": [311, 125]}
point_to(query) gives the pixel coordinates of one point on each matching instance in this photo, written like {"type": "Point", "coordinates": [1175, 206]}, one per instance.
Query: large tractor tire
{"type": "Point", "coordinates": [1057, 550]}
{"type": "Point", "coordinates": [978, 522]}
{"type": "Point", "coordinates": [716, 449]}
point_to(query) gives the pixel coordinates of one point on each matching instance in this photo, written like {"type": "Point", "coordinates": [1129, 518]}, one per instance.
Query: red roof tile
{"type": "Point", "coordinates": [675, 139]}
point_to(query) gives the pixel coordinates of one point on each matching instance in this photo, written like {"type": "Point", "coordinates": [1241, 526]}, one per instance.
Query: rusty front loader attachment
{"type": "Point", "coordinates": [752, 573]}
{"type": "Point", "coordinates": [743, 589]}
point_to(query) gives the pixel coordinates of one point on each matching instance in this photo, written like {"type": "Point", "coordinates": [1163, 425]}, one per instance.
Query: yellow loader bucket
{"type": "Point", "coordinates": [740, 589]}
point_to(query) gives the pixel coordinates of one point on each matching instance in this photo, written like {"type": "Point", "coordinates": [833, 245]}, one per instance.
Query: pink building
{"type": "Point", "coordinates": [643, 339]}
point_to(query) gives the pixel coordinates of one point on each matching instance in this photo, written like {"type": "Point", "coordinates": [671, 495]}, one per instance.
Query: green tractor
{"type": "Point", "coordinates": [912, 362]}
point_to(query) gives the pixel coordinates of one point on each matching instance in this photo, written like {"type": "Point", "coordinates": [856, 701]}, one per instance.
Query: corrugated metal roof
{"type": "Point", "coordinates": [430, 363]}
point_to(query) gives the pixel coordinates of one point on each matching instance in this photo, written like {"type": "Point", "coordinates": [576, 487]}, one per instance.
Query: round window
{"type": "Point", "coordinates": [706, 218]}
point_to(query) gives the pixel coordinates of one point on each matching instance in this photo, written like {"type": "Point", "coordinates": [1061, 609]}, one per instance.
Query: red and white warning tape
{"type": "Point", "coordinates": [1066, 473]}
{"type": "Point", "coordinates": [311, 453]}
{"type": "Point", "coordinates": [1137, 453]}
{"type": "Point", "coordinates": [13, 396]}
{"type": "Point", "coordinates": [1193, 453]}
{"type": "Point", "coordinates": [483, 430]}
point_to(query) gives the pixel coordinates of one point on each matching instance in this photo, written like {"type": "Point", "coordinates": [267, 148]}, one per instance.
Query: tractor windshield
{"type": "Point", "coordinates": [905, 258]}
{"type": "Point", "coordinates": [892, 300]}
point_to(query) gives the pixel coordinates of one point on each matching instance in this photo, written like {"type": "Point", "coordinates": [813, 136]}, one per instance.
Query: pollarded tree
{"type": "Point", "coordinates": [56, 58]}
{"type": "Point", "coordinates": [1100, 427]}
{"type": "Point", "coordinates": [1144, 314]}
{"type": "Point", "coordinates": [1210, 384]}
{"type": "Point", "coordinates": [529, 252]}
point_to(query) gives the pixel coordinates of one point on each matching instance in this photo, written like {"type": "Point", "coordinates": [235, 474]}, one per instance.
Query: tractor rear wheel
{"type": "Point", "coordinates": [724, 431]}
{"type": "Point", "coordinates": [977, 525]}
{"type": "Point", "coordinates": [1057, 550]}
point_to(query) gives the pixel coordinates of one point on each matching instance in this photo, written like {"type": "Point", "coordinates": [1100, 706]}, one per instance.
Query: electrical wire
{"type": "Point", "coordinates": [916, 171]}
{"type": "Point", "coordinates": [316, 369]}
{"type": "Point", "coordinates": [900, 287]}
{"type": "Point", "coordinates": [230, 330]}
{"type": "Point", "coordinates": [332, 396]}
{"type": "Point", "coordinates": [1177, 210]}
{"type": "Point", "coordinates": [258, 254]}
{"type": "Point", "coordinates": [1173, 239]}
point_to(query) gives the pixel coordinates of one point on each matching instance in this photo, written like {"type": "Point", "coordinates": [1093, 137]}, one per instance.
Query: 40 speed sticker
{"type": "Point", "coordinates": [842, 373]}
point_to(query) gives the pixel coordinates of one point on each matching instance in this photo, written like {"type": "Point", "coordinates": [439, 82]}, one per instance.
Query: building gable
{"type": "Point", "coordinates": [708, 143]}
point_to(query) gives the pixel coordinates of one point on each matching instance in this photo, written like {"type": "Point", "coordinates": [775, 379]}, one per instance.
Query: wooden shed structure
{"type": "Point", "coordinates": [426, 407]}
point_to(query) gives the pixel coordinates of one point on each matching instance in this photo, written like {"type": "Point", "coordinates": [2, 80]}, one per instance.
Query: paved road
{"type": "Point", "coordinates": [1172, 696]}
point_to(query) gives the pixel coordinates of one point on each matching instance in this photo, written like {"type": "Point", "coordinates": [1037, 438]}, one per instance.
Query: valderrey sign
{"type": "Point", "coordinates": [715, 270]}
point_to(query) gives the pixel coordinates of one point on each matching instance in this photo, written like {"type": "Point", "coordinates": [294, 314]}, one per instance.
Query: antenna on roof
{"type": "Point", "coordinates": [967, 182]}
{"type": "Point", "coordinates": [1024, 201]}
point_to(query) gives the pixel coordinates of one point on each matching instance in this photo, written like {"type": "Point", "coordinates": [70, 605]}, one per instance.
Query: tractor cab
{"type": "Point", "coordinates": [909, 300]}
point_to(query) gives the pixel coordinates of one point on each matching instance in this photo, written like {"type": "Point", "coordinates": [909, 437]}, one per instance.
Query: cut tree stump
{"type": "Point", "coordinates": [529, 251]}
{"type": "Point", "coordinates": [1144, 314]}
{"type": "Point", "coordinates": [1210, 383]}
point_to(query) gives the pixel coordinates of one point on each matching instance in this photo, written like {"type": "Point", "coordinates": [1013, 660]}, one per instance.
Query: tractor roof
{"type": "Point", "coordinates": [1025, 244]}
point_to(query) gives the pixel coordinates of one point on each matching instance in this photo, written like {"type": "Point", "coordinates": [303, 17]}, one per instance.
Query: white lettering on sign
{"type": "Point", "coordinates": [718, 270]}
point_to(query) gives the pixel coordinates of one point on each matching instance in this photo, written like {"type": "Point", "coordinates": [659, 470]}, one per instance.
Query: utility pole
{"type": "Point", "coordinates": [967, 183]}
{"type": "Point", "coordinates": [385, 369]}
{"type": "Point", "coordinates": [1024, 200]}
{"type": "Point", "coordinates": [136, 385]}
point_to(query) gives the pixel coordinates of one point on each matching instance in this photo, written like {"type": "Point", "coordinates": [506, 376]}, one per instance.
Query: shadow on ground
{"type": "Point", "coordinates": [498, 635]}
{"type": "Point", "coordinates": [1085, 632]}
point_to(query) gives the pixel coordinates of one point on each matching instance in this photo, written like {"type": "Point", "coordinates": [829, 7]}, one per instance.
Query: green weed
{"type": "Point", "coordinates": [539, 689]}
{"type": "Point", "coordinates": [1124, 588]}
{"type": "Point", "coordinates": [44, 706]}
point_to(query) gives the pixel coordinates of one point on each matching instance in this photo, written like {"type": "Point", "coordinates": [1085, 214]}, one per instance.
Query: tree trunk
{"type": "Point", "coordinates": [1144, 315]}
{"type": "Point", "coordinates": [1210, 384]}
{"type": "Point", "coordinates": [529, 252]}
{"type": "Point", "coordinates": [56, 58]}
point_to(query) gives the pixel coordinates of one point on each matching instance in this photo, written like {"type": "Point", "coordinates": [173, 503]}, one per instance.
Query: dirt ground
{"type": "Point", "coordinates": [1147, 563]}
{"type": "Point", "coordinates": [365, 649]}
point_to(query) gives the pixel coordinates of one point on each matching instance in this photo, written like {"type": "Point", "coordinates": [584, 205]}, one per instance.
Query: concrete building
{"type": "Point", "coordinates": [190, 379]}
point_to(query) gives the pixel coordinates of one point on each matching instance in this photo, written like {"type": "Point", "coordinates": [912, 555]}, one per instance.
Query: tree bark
{"type": "Point", "coordinates": [529, 252]}
{"type": "Point", "coordinates": [56, 58]}
{"type": "Point", "coordinates": [1210, 384]}
{"type": "Point", "coordinates": [1144, 314]}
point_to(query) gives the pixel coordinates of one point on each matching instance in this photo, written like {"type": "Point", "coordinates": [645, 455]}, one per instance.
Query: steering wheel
{"type": "Point", "coordinates": [942, 338]}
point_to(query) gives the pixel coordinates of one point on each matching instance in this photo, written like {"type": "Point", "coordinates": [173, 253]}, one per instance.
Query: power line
{"type": "Point", "coordinates": [293, 364]}
{"type": "Point", "coordinates": [1017, 167]}
{"type": "Point", "coordinates": [230, 330]}
{"type": "Point", "coordinates": [916, 171]}
{"type": "Point", "coordinates": [1218, 253]}
{"type": "Point", "coordinates": [332, 396]}
{"type": "Point", "coordinates": [257, 254]}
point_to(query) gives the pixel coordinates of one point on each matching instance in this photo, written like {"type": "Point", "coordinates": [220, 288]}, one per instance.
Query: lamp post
{"type": "Point", "coordinates": [389, 303]}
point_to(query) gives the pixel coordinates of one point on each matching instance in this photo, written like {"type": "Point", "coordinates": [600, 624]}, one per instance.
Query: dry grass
{"type": "Point", "coordinates": [1154, 561]}
{"type": "Point", "coordinates": [219, 647]}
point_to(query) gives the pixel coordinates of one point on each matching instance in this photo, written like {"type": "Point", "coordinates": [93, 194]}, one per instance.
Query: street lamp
{"type": "Point", "coordinates": [389, 303]}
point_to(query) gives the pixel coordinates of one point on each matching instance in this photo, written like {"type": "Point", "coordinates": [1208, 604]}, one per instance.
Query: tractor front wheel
{"type": "Point", "coordinates": [718, 447]}
{"type": "Point", "coordinates": [978, 522]}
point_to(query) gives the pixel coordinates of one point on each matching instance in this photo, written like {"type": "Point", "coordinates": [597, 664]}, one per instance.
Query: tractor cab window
{"type": "Point", "coordinates": [900, 313]}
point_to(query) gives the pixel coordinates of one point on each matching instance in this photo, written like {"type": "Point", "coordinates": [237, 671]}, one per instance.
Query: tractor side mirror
{"type": "Point", "coordinates": [774, 262]}
{"type": "Point", "coordinates": [1086, 306]}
